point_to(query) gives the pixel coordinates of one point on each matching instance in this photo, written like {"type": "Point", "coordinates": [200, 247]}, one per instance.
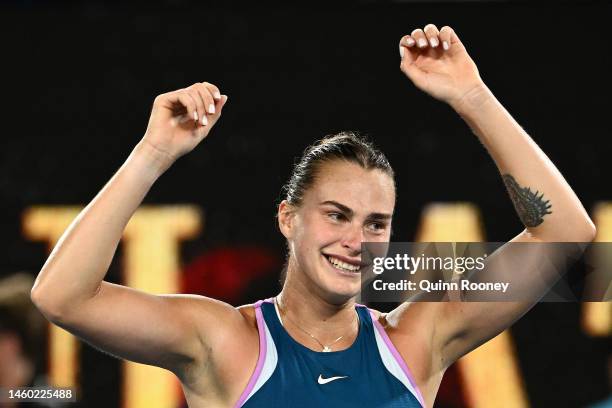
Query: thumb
{"type": "Point", "coordinates": [408, 66]}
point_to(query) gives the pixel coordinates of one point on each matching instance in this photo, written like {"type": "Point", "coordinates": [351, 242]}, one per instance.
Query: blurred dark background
{"type": "Point", "coordinates": [79, 79]}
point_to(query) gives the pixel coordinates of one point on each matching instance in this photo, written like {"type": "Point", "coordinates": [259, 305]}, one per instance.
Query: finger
{"type": "Point", "coordinates": [219, 103]}
{"type": "Point", "coordinates": [195, 92]}
{"type": "Point", "coordinates": [449, 35]}
{"type": "Point", "coordinates": [220, 106]}
{"type": "Point", "coordinates": [445, 36]}
{"type": "Point", "coordinates": [183, 98]}
{"type": "Point", "coordinates": [222, 102]}
{"type": "Point", "coordinates": [214, 91]}
{"type": "Point", "coordinates": [431, 31]}
{"type": "Point", "coordinates": [408, 65]}
{"type": "Point", "coordinates": [207, 101]}
{"type": "Point", "coordinates": [419, 37]}
{"type": "Point", "coordinates": [199, 104]}
{"type": "Point", "coordinates": [407, 41]}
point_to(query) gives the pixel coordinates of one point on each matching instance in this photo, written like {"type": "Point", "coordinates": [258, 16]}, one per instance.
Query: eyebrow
{"type": "Point", "coordinates": [344, 208]}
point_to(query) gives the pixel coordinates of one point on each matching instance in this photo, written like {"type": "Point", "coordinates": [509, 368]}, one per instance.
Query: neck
{"type": "Point", "coordinates": [302, 306]}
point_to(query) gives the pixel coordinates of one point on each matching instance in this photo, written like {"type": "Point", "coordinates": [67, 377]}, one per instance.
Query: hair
{"type": "Point", "coordinates": [348, 146]}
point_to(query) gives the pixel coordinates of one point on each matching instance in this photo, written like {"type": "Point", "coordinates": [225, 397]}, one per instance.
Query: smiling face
{"type": "Point", "coordinates": [345, 206]}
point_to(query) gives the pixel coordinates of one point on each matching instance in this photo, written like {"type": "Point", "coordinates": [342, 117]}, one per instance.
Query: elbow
{"type": "Point", "coordinates": [590, 231]}
{"type": "Point", "coordinates": [50, 308]}
{"type": "Point", "coordinates": [582, 230]}
{"type": "Point", "coordinates": [59, 307]}
{"type": "Point", "coordinates": [585, 231]}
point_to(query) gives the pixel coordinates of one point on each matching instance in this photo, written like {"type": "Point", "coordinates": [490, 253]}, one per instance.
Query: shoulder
{"type": "Point", "coordinates": [211, 315]}
{"type": "Point", "coordinates": [220, 326]}
{"type": "Point", "coordinates": [249, 315]}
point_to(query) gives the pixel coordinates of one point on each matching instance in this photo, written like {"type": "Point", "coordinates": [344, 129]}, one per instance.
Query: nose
{"type": "Point", "coordinates": [353, 238]}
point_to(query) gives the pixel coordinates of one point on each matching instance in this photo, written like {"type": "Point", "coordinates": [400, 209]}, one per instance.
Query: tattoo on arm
{"type": "Point", "coordinates": [530, 207]}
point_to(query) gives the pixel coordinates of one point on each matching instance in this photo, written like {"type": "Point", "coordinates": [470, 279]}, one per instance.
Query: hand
{"type": "Point", "coordinates": [181, 119]}
{"type": "Point", "coordinates": [437, 63]}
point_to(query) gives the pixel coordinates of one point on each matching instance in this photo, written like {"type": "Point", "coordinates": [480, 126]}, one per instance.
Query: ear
{"type": "Point", "coordinates": [286, 219]}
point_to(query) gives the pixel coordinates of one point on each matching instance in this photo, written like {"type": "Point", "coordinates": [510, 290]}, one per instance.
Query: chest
{"type": "Point", "coordinates": [345, 379]}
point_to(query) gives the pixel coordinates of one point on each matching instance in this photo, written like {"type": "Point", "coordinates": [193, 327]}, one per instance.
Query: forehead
{"type": "Point", "coordinates": [348, 183]}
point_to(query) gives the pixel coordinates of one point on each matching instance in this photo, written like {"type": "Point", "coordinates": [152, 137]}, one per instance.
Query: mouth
{"type": "Point", "coordinates": [344, 268]}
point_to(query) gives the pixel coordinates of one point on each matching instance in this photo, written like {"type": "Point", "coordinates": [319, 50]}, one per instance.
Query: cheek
{"type": "Point", "coordinates": [386, 237]}
{"type": "Point", "coordinates": [323, 232]}
{"type": "Point", "coordinates": [315, 234]}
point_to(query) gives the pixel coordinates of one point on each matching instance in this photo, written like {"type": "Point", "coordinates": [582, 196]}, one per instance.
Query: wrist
{"type": "Point", "coordinates": [150, 160]}
{"type": "Point", "coordinates": [473, 99]}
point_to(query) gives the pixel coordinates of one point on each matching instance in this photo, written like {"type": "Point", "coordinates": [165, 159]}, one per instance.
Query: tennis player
{"type": "Point", "coordinates": [311, 344]}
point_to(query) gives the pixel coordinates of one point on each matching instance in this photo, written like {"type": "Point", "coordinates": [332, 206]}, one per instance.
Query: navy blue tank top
{"type": "Point", "coordinates": [370, 373]}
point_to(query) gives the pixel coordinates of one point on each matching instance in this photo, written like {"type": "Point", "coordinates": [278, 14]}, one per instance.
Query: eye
{"type": "Point", "coordinates": [377, 226]}
{"type": "Point", "coordinates": [335, 216]}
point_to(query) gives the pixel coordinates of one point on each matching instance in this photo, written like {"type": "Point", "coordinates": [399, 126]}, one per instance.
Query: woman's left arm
{"type": "Point", "coordinates": [438, 63]}
{"type": "Point", "coordinates": [544, 201]}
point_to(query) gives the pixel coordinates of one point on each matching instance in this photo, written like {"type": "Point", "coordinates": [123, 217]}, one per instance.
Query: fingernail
{"type": "Point", "coordinates": [434, 42]}
{"type": "Point", "coordinates": [211, 108]}
{"type": "Point", "coordinates": [204, 121]}
{"type": "Point", "coordinates": [410, 42]}
{"type": "Point", "coordinates": [217, 95]}
{"type": "Point", "coordinates": [401, 52]}
{"type": "Point", "coordinates": [422, 43]}
{"type": "Point", "coordinates": [445, 45]}
{"type": "Point", "coordinates": [195, 116]}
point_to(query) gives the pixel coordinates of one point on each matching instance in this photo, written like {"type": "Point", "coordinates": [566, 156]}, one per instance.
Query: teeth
{"type": "Point", "coordinates": [342, 265]}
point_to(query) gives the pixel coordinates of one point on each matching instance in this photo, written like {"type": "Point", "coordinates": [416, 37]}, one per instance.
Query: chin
{"type": "Point", "coordinates": [336, 297]}
{"type": "Point", "coordinates": [341, 290]}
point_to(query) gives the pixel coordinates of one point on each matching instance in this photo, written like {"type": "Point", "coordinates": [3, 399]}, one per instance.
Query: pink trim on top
{"type": "Point", "coordinates": [261, 328]}
{"type": "Point", "coordinates": [397, 356]}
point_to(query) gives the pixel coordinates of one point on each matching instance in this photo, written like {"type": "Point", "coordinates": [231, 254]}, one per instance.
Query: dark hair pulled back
{"type": "Point", "coordinates": [348, 146]}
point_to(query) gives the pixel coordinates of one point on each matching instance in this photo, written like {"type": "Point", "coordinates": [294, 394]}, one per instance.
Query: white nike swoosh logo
{"type": "Point", "coordinates": [322, 380]}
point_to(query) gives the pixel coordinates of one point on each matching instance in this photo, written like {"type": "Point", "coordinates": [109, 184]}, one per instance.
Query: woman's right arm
{"type": "Point", "coordinates": [163, 330]}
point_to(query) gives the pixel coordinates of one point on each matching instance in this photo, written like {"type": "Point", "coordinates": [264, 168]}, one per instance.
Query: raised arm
{"type": "Point", "coordinates": [159, 330]}
{"type": "Point", "coordinates": [438, 63]}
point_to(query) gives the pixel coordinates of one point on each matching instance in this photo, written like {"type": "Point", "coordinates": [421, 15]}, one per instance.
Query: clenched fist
{"type": "Point", "coordinates": [181, 119]}
{"type": "Point", "coordinates": [437, 63]}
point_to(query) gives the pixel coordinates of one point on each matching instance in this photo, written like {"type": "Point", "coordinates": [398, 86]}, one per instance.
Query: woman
{"type": "Point", "coordinates": [311, 344]}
